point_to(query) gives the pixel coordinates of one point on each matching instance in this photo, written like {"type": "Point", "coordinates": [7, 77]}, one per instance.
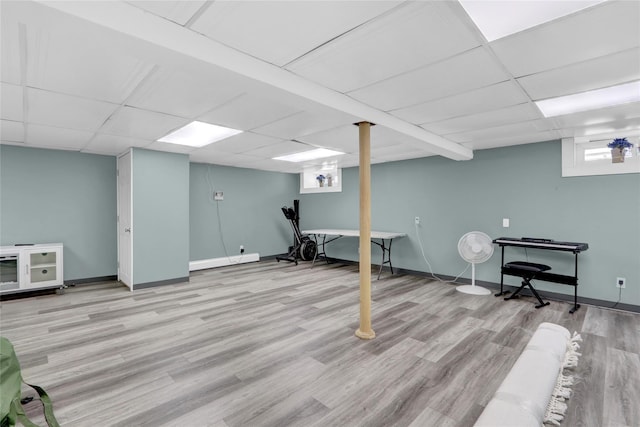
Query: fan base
{"type": "Point", "coordinates": [473, 290]}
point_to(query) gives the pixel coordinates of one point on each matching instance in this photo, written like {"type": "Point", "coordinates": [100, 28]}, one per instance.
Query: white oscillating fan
{"type": "Point", "coordinates": [475, 247]}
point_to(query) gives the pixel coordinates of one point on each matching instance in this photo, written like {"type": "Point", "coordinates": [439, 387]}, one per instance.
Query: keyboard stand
{"type": "Point", "coordinates": [508, 270]}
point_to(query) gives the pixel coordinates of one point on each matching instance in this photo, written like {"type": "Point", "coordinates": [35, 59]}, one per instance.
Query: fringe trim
{"type": "Point", "coordinates": [562, 390]}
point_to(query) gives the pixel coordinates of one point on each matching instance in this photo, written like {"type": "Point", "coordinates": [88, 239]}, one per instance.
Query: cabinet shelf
{"type": "Point", "coordinates": [45, 265]}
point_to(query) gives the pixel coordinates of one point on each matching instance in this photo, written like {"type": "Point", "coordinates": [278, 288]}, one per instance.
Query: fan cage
{"type": "Point", "coordinates": [475, 247]}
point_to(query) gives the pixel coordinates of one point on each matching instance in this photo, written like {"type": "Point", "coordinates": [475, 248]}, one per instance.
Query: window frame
{"type": "Point", "coordinates": [573, 163]}
{"type": "Point", "coordinates": [310, 173]}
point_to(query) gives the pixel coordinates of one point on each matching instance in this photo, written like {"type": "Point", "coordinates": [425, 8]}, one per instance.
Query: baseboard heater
{"type": "Point", "coordinates": [203, 264]}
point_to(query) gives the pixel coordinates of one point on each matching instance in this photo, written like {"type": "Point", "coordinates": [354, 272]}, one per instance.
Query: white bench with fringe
{"type": "Point", "coordinates": [535, 389]}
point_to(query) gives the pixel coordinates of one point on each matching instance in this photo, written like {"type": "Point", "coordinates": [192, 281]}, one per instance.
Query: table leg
{"type": "Point", "coordinates": [385, 251]}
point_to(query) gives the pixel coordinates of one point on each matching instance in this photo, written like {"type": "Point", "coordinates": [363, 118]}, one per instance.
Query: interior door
{"type": "Point", "coordinates": [125, 230]}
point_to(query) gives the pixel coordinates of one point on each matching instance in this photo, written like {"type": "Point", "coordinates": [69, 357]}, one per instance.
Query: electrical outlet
{"type": "Point", "coordinates": [621, 282]}
{"type": "Point", "coordinates": [417, 220]}
{"type": "Point", "coordinates": [218, 195]}
{"type": "Point", "coordinates": [241, 249]}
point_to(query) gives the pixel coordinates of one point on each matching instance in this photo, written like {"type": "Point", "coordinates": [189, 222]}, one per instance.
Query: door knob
{"type": "Point", "coordinates": [127, 230]}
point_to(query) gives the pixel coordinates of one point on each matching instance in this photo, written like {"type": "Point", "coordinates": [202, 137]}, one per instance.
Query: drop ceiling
{"type": "Point", "coordinates": [103, 76]}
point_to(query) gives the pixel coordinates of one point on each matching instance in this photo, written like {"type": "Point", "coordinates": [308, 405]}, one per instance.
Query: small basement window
{"type": "Point", "coordinates": [326, 178]}
{"type": "Point", "coordinates": [582, 157]}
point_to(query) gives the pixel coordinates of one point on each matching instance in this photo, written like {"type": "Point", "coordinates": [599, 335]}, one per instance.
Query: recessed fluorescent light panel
{"type": "Point", "coordinates": [198, 134]}
{"type": "Point", "coordinates": [318, 153]}
{"type": "Point", "coordinates": [599, 98]}
{"type": "Point", "coordinates": [497, 19]}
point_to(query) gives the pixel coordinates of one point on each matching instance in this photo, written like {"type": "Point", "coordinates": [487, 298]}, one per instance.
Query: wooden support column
{"type": "Point", "coordinates": [365, 331]}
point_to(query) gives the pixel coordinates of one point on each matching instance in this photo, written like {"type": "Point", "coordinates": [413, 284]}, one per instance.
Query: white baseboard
{"type": "Point", "coordinates": [203, 264]}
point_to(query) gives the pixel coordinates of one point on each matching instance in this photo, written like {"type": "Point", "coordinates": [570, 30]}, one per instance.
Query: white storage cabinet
{"type": "Point", "coordinates": [31, 267]}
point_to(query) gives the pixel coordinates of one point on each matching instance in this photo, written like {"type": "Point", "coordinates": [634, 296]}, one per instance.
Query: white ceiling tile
{"type": "Point", "coordinates": [11, 102]}
{"type": "Point", "coordinates": [176, 11]}
{"type": "Point", "coordinates": [11, 45]}
{"type": "Point", "coordinates": [142, 124]}
{"type": "Point", "coordinates": [384, 137]}
{"type": "Point", "coordinates": [411, 36]}
{"type": "Point", "coordinates": [184, 93]}
{"type": "Point", "coordinates": [452, 75]}
{"type": "Point", "coordinates": [475, 101]}
{"type": "Point", "coordinates": [274, 166]}
{"type": "Point", "coordinates": [341, 161]}
{"type": "Point", "coordinates": [55, 109]}
{"type": "Point", "coordinates": [281, 31]}
{"type": "Point", "coordinates": [516, 16]}
{"type": "Point", "coordinates": [170, 148]}
{"type": "Point", "coordinates": [515, 139]}
{"type": "Point", "coordinates": [305, 123]}
{"type": "Point", "coordinates": [200, 156]}
{"type": "Point", "coordinates": [248, 111]}
{"type": "Point", "coordinates": [240, 143]}
{"type": "Point", "coordinates": [250, 162]}
{"type": "Point", "coordinates": [486, 119]}
{"type": "Point", "coordinates": [343, 138]}
{"type": "Point", "coordinates": [112, 145]}
{"type": "Point", "coordinates": [280, 149]}
{"type": "Point", "coordinates": [60, 60]}
{"type": "Point", "coordinates": [11, 131]}
{"type": "Point", "coordinates": [610, 27]}
{"type": "Point", "coordinates": [221, 158]}
{"type": "Point", "coordinates": [349, 161]}
{"type": "Point", "coordinates": [618, 113]}
{"type": "Point", "coordinates": [53, 137]}
{"type": "Point", "coordinates": [515, 129]}
{"type": "Point", "coordinates": [611, 129]}
{"type": "Point", "coordinates": [597, 73]}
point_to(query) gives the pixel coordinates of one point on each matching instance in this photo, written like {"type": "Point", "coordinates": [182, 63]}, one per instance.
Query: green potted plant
{"type": "Point", "coordinates": [618, 148]}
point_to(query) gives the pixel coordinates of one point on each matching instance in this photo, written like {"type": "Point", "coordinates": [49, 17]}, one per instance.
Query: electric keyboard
{"type": "Point", "coordinates": [537, 243]}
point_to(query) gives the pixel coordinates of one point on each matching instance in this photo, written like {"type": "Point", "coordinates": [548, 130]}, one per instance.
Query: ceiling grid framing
{"type": "Point", "coordinates": [134, 22]}
{"type": "Point", "coordinates": [290, 70]}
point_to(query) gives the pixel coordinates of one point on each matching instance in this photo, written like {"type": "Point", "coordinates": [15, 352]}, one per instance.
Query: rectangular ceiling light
{"type": "Point", "coordinates": [198, 134]}
{"type": "Point", "coordinates": [318, 153]}
{"type": "Point", "coordinates": [591, 100]}
{"type": "Point", "coordinates": [497, 19]}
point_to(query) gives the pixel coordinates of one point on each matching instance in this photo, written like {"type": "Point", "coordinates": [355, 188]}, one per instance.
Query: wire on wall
{"type": "Point", "coordinates": [429, 264]}
{"type": "Point", "coordinates": [210, 182]}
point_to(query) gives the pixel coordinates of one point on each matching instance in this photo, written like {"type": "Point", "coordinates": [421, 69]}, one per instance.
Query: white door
{"type": "Point", "coordinates": [125, 231]}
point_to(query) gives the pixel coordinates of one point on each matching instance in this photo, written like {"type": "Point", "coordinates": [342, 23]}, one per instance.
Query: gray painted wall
{"type": "Point", "coordinates": [522, 183]}
{"type": "Point", "coordinates": [249, 215]}
{"type": "Point", "coordinates": [160, 216]}
{"type": "Point", "coordinates": [50, 196]}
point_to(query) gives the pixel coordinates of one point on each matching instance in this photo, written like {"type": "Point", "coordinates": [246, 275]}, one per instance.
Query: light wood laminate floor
{"type": "Point", "coordinates": [272, 344]}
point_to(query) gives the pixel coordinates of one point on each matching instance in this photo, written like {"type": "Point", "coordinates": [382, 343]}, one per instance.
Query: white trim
{"type": "Point", "coordinates": [204, 264]}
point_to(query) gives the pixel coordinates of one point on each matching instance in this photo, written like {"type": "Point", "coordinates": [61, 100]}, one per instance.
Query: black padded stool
{"type": "Point", "coordinates": [529, 271]}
